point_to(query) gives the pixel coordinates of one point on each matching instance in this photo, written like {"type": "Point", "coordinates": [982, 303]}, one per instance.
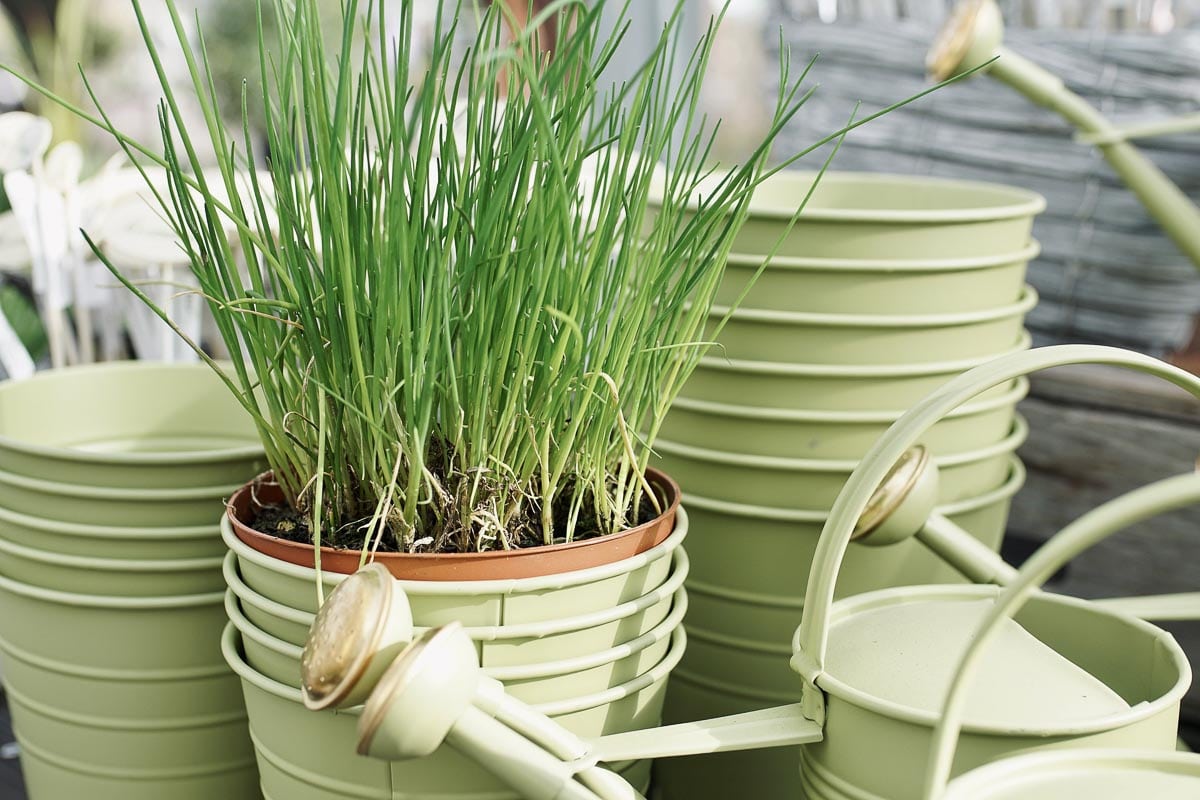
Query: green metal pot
{"type": "Point", "coordinates": [50, 775]}
{"type": "Point", "coordinates": [122, 697]}
{"type": "Point", "coordinates": [110, 576]}
{"type": "Point", "coordinates": [827, 387]}
{"type": "Point", "coordinates": [124, 543]}
{"type": "Point", "coordinates": [533, 682]}
{"type": "Point", "coordinates": [78, 504]}
{"type": "Point", "coordinates": [808, 484]}
{"type": "Point", "coordinates": [854, 215]}
{"type": "Point", "coordinates": [311, 756]}
{"type": "Point", "coordinates": [786, 433]}
{"type": "Point", "coordinates": [478, 603]}
{"type": "Point", "coordinates": [112, 632]}
{"type": "Point", "coordinates": [517, 645]}
{"type": "Point", "coordinates": [862, 339]}
{"type": "Point", "coordinates": [927, 285]}
{"type": "Point", "coordinates": [128, 425]}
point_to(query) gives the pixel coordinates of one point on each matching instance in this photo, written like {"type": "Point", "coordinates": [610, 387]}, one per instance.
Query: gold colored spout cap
{"type": "Point", "coordinates": [969, 39]}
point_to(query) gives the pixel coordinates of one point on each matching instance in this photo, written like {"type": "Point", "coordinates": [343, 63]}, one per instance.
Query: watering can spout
{"type": "Point", "coordinates": [973, 39]}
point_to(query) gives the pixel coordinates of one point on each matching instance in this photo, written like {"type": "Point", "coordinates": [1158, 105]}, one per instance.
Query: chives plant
{"type": "Point", "coordinates": [452, 317]}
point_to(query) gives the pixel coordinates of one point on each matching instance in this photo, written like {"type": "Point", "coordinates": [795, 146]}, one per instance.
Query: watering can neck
{"type": "Point", "coordinates": [1163, 200]}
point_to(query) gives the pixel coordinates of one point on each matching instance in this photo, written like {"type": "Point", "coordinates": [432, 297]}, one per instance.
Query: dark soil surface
{"type": "Point", "coordinates": [285, 523]}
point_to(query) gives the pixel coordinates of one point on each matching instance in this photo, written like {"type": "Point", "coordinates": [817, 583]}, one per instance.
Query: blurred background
{"type": "Point", "coordinates": [1106, 273]}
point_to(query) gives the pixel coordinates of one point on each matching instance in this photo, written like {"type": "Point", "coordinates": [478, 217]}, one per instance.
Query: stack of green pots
{"type": "Point", "coordinates": [112, 478]}
{"type": "Point", "coordinates": [591, 648]}
{"type": "Point", "coordinates": [885, 288]}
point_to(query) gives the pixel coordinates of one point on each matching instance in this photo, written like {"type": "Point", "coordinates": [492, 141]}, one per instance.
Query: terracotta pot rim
{"type": "Point", "coordinates": [495, 564]}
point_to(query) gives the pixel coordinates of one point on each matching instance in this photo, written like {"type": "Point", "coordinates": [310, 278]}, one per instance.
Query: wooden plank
{"type": "Point", "coordinates": [1116, 389]}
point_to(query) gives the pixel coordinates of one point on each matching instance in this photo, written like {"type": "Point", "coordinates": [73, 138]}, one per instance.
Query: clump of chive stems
{"type": "Point", "coordinates": [462, 295]}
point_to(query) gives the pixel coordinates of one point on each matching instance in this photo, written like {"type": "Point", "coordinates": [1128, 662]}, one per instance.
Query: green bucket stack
{"type": "Point", "coordinates": [885, 288]}
{"type": "Point", "coordinates": [112, 480]}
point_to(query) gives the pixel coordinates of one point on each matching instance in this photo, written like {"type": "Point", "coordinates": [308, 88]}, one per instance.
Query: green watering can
{"type": "Point", "coordinates": [972, 37]}
{"type": "Point", "coordinates": [1097, 774]}
{"type": "Point", "coordinates": [875, 667]}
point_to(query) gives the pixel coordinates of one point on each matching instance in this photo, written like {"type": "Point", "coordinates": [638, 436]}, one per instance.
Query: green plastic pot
{"type": "Point", "coordinates": [517, 645]}
{"type": "Point", "coordinates": [787, 433]}
{"type": "Point", "coordinates": [812, 484]}
{"type": "Point", "coordinates": [855, 215]}
{"type": "Point", "coordinates": [306, 755]}
{"type": "Point", "coordinates": [110, 576]}
{"type": "Point", "coordinates": [746, 599]}
{"type": "Point", "coordinates": [97, 541]}
{"type": "Point", "coordinates": [928, 285]}
{"type": "Point", "coordinates": [130, 425]}
{"type": "Point", "coordinates": [827, 387]}
{"type": "Point", "coordinates": [533, 682]}
{"type": "Point", "coordinates": [1092, 774]}
{"type": "Point", "coordinates": [866, 339]}
{"type": "Point", "coordinates": [478, 603]}
{"type": "Point", "coordinates": [79, 504]}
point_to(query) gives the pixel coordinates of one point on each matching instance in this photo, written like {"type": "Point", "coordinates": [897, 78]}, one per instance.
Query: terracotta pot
{"type": "Point", "coordinates": [492, 565]}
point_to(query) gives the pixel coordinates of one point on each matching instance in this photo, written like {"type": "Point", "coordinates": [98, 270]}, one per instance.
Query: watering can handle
{"type": "Point", "coordinates": [812, 637]}
{"type": "Point", "coordinates": [1095, 526]}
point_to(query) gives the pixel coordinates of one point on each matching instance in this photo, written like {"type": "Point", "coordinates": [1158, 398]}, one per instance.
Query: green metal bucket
{"type": "Point", "coordinates": [799, 484]}
{"type": "Point", "coordinates": [478, 603]}
{"type": "Point", "coordinates": [532, 681]}
{"type": "Point", "coordinates": [109, 690]}
{"type": "Point", "coordinates": [110, 576]}
{"type": "Point", "coordinates": [311, 756]}
{"type": "Point", "coordinates": [130, 425]}
{"type": "Point", "coordinates": [828, 387]}
{"type": "Point", "coordinates": [883, 286]}
{"type": "Point", "coordinates": [79, 504]}
{"type": "Point", "coordinates": [785, 433]}
{"type": "Point", "coordinates": [862, 339]}
{"type": "Point", "coordinates": [53, 777]}
{"type": "Point", "coordinates": [98, 541]}
{"type": "Point", "coordinates": [853, 215]}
